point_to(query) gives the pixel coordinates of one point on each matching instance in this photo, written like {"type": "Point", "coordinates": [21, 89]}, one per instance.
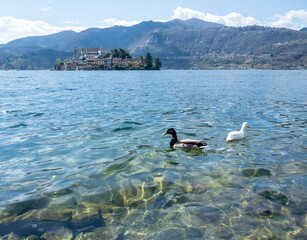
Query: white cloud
{"type": "Point", "coordinates": [47, 9]}
{"type": "Point", "coordinates": [12, 28]}
{"type": "Point", "coordinates": [295, 19]}
{"type": "Point", "coordinates": [112, 22]}
{"type": "Point", "coordinates": [232, 19]}
{"type": "Point", "coordinates": [186, 13]}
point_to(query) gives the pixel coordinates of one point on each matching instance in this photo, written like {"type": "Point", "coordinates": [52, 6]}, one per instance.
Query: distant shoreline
{"type": "Point", "coordinates": [234, 69]}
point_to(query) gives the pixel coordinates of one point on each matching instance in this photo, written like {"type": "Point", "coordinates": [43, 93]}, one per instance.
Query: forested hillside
{"type": "Point", "coordinates": [30, 58]}
{"type": "Point", "coordinates": [190, 44]}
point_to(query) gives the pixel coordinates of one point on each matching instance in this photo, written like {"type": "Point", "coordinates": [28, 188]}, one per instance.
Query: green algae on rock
{"type": "Point", "coordinates": [172, 162]}
{"type": "Point", "coordinates": [256, 172]}
{"type": "Point", "coordinates": [267, 214]}
{"type": "Point", "coordinates": [276, 196]}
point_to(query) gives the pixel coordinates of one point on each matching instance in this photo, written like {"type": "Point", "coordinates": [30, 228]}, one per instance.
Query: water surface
{"type": "Point", "coordinates": [82, 155]}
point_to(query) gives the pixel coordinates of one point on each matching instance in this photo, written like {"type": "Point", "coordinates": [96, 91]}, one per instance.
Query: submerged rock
{"type": "Point", "coordinates": [117, 199]}
{"type": "Point", "coordinates": [276, 196]}
{"type": "Point", "coordinates": [40, 216]}
{"type": "Point", "coordinates": [86, 217]}
{"type": "Point", "coordinates": [104, 233]}
{"type": "Point", "coordinates": [171, 234]}
{"type": "Point", "coordinates": [98, 198]}
{"type": "Point", "coordinates": [11, 236]}
{"type": "Point", "coordinates": [150, 189]}
{"type": "Point", "coordinates": [113, 213]}
{"type": "Point", "coordinates": [63, 202]}
{"type": "Point", "coordinates": [171, 215]}
{"type": "Point", "coordinates": [152, 217]}
{"type": "Point", "coordinates": [166, 203]}
{"type": "Point", "coordinates": [266, 213]}
{"type": "Point", "coordinates": [18, 208]}
{"type": "Point", "coordinates": [29, 228]}
{"type": "Point", "coordinates": [25, 220]}
{"type": "Point", "coordinates": [58, 192]}
{"type": "Point", "coordinates": [33, 237]}
{"type": "Point", "coordinates": [256, 172]}
{"type": "Point", "coordinates": [64, 234]}
{"type": "Point", "coordinates": [199, 215]}
{"type": "Point", "coordinates": [194, 233]}
{"type": "Point", "coordinates": [261, 233]}
{"type": "Point", "coordinates": [53, 215]}
{"type": "Point", "coordinates": [223, 232]}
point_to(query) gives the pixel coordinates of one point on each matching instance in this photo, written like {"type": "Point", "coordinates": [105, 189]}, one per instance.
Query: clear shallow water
{"type": "Point", "coordinates": [82, 156]}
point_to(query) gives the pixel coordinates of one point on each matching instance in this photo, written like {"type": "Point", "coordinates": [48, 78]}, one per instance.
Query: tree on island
{"type": "Point", "coordinates": [115, 53]}
{"type": "Point", "coordinates": [148, 61]}
{"type": "Point", "coordinates": [59, 65]}
{"type": "Point", "coordinates": [157, 64]}
{"type": "Point", "coordinates": [124, 54]}
{"type": "Point", "coordinates": [120, 53]}
{"type": "Point", "coordinates": [149, 65]}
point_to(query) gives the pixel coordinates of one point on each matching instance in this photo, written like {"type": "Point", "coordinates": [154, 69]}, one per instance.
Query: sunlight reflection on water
{"type": "Point", "coordinates": [82, 154]}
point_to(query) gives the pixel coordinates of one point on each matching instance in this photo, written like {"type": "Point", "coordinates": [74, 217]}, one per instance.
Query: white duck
{"type": "Point", "coordinates": [237, 135]}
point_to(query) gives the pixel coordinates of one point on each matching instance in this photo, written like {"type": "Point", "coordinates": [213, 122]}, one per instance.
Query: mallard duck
{"type": "Point", "coordinates": [237, 135]}
{"type": "Point", "coordinates": [184, 143]}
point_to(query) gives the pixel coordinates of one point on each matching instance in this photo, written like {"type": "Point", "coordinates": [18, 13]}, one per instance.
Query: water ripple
{"type": "Point", "coordinates": [84, 151]}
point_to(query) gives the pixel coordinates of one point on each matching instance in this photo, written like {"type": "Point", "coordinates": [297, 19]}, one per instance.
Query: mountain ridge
{"type": "Point", "coordinates": [96, 35]}
{"type": "Point", "coordinates": [186, 44]}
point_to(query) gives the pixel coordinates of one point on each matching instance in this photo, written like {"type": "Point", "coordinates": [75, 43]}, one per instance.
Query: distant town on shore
{"type": "Point", "coordinates": [99, 58]}
{"type": "Point", "coordinates": [189, 44]}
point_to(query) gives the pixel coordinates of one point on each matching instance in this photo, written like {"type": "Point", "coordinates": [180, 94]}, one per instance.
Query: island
{"type": "Point", "coordinates": [99, 58]}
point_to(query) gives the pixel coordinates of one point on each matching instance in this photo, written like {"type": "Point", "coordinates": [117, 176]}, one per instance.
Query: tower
{"type": "Point", "coordinates": [76, 54]}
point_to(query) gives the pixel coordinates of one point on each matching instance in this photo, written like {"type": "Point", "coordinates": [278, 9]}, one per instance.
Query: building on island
{"type": "Point", "coordinates": [93, 52]}
{"type": "Point", "coordinates": [76, 54]}
{"type": "Point", "coordinates": [70, 64]}
{"type": "Point", "coordinates": [99, 58]}
{"type": "Point", "coordinates": [107, 63]}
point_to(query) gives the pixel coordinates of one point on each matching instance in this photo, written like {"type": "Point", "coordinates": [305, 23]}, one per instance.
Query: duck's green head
{"type": "Point", "coordinates": [170, 131]}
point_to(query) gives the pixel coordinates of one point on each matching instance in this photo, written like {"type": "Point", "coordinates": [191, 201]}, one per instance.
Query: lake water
{"type": "Point", "coordinates": [82, 155]}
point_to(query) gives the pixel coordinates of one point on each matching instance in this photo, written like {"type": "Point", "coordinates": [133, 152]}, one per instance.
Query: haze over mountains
{"type": "Point", "coordinates": [124, 37]}
{"type": "Point", "coordinates": [180, 44]}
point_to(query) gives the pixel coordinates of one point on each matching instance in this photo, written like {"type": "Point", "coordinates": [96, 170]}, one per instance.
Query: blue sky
{"type": "Point", "coordinates": [20, 18]}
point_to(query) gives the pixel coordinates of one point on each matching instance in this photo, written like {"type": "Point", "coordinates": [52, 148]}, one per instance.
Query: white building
{"type": "Point", "coordinates": [93, 52]}
{"type": "Point", "coordinates": [107, 62]}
